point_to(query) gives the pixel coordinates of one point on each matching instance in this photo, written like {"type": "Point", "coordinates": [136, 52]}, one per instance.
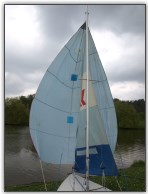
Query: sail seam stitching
{"type": "Point", "coordinates": [51, 133]}
{"type": "Point", "coordinates": [88, 55]}
{"type": "Point", "coordinates": [61, 81]}
{"type": "Point", "coordinates": [70, 54]}
{"type": "Point", "coordinates": [67, 111]}
{"type": "Point", "coordinates": [54, 107]}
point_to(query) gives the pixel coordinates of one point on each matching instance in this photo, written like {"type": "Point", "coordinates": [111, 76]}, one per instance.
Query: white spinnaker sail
{"type": "Point", "coordinates": [55, 112]}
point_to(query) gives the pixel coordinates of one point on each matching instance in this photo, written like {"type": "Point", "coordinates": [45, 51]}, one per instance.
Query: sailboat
{"type": "Point", "coordinates": [72, 117]}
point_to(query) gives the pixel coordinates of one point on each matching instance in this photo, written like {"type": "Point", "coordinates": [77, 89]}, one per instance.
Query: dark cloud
{"type": "Point", "coordinates": [129, 68]}
{"type": "Point", "coordinates": [57, 21]}
{"type": "Point", "coordinates": [26, 64]}
{"type": "Point", "coordinates": [119, 18]}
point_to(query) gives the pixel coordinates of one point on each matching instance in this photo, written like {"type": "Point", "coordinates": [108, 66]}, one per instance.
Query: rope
{"type": "Point", "coordinates": [59, 169]}
{"type": "Point", "coordinates": [118, 184]}
{"type": "Point", "coordinates": [103, 178]}
{"type": "Point", "coordinates": [43, 176]}
{"type": "Point", "coordinates": [74, 177]}
{"type": "Point", "coordinates": [123, 170]}
{"type": "Point", "coordinates": [45, 186]}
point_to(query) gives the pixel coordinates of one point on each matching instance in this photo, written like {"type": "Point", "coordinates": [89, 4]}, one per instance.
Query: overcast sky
{"type": "Point", "coordinates": [34, 34]}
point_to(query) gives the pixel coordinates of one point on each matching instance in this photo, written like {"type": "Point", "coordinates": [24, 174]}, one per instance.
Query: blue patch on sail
{"type": "Point", "coordinates": [74, 77]}
{"type": "Point", "coordinates": [101, 160]}
{"type": "Point", "coordinates": [69, 119]}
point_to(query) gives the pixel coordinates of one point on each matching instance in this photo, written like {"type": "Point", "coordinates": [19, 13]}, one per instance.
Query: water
{"type": "Point", "coordinates": [130, 148]}
{"type": "Point", "coordinates": [22, 165]}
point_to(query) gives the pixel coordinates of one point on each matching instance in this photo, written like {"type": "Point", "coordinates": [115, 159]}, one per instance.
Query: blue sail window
{"type": "Point", "coordinates": [69, 119]}
{"type": "Point", "coordinates": [74, 77]}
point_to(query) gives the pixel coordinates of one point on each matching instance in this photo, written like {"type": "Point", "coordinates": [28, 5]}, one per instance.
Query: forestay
{"type": "Point", "coordinates": [58, 111]}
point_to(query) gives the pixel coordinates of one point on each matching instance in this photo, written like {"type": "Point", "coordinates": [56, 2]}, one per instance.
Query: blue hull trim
{"type": "Point", "coordinates": [102, 159]}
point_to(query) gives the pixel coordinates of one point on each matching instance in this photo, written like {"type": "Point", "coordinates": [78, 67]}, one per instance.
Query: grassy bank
{"type": "Point", "coordinates": [130, 179]}
{"type": "Point", "coordinates": [51, 186]}
{"type": "Point", "coordinates": [134, 180]}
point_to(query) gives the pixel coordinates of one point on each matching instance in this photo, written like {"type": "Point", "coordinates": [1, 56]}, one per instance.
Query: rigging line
{"type": "Point", "coordinates": [118, 183]}
{"type": "Point", "coordinates": [53, 106]}
{"type": "Point", "coordinates": [103, 178]}
{"type": "Point", "coordinates": [59, 168]}
{"type": "Point", "coordinates": [51, 134]}
{"type": "Point", "coordinates": [73, 186]}
{"type": "Point", "coordinates": [124, 175]}
{"type": "Point", "coordinates": [41, 165]}
{"type": "Point", "coordinates": [43, 175]}
{"type": "Point", "coordinates": [97, 81]}
{"type": "Point", "coordinates": [94, 80]}
{"type": "Point", "coordinates": [60, 80]}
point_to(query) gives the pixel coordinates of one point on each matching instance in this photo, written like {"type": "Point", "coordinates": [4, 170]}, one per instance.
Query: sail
{"type": "Point", "coordinates": [55, 108]}
{"type": "Point", "coordinates": [102, 119]}
{"type": "Point", "coordinates": [100, 155]}
{"type": "Point", "coordinates": [58, 111]}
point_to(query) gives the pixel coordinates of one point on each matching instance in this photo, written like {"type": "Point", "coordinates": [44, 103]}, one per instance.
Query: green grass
{"type": "Point", "coordinates": [135, 178]}
{"type": "Point", "coordinates": [129, 179]}
{"type": "Point", "coordinates": [51, 186]}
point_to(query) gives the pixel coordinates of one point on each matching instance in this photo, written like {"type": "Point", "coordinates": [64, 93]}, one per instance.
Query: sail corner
{"type": "Point", "coordinates": [84, 26]}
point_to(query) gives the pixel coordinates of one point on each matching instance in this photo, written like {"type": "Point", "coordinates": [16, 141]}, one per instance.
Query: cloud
{"type": "Point", "coordinates": [123, 56]}
{"type": "Point", "coordinates": [60, 19]}
{"type": "Point", "coordinates": [119, 18]}
{"type": "Point", "coordinates": [34, 34]}
{"type": "Point", "coordinates": [21, 84]}
{"type": "Point", "coordinates": [128, 90]}
{"type": "Point", "coordinates": [21, 26]}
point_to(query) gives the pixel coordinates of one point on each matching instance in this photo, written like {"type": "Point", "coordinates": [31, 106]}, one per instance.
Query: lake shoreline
{"type": "Point", "coordinates": [14, 124]}
{"type": "Point", "coordinates": [26, 125]}
{"type": "Point", "coordinates": [131, 129]}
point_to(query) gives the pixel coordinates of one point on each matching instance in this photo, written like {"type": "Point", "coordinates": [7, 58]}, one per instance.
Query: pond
{"type": "Point", "coordinates": [22, 165]}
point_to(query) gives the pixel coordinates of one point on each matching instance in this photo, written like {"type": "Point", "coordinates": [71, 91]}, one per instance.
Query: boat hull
{"type": "Point", "coordinates": [77, 183]}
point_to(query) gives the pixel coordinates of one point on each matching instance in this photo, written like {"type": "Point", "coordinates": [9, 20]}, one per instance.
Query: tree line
{"type": "Point", "coordinates": [17, 110]}
{"type": "Point", "coordinates": [130, 114]}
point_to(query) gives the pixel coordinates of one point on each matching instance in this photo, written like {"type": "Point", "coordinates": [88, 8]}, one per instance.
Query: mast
{"type": "Point", "coordinates": [87, 106]}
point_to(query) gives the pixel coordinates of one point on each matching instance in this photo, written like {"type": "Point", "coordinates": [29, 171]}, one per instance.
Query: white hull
{"type": "Point", "coordinates": [77, 183]}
